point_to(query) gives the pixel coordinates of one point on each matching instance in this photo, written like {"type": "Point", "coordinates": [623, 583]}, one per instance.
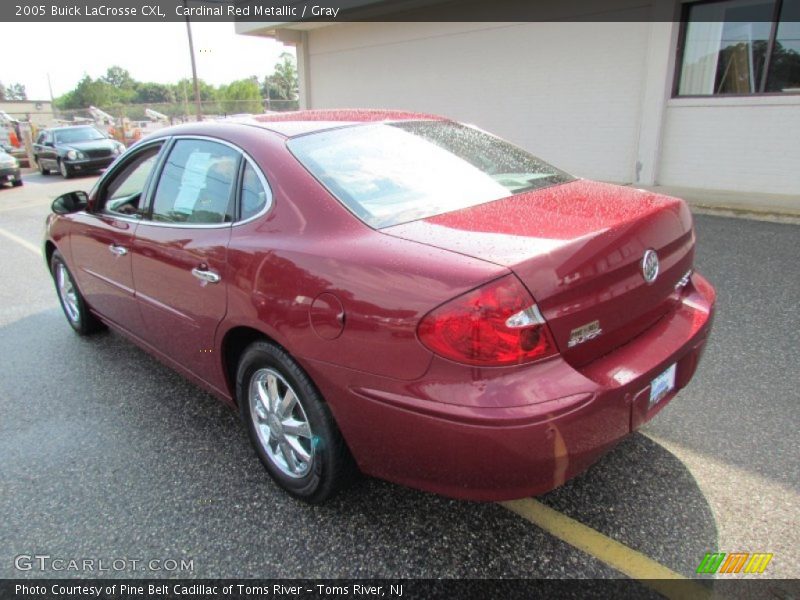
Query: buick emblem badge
{"type": "Point", "coordinates": [650, 266]}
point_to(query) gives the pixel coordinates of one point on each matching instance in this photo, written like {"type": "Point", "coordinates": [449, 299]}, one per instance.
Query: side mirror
{"type": "Point", "coordinates": [49, 144]}
{"type": "Point", "coordinates": [70, 203]}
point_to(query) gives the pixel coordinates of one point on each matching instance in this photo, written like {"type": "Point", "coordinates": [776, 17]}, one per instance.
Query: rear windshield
{"type": "Point", "coordinates": [392, 173]}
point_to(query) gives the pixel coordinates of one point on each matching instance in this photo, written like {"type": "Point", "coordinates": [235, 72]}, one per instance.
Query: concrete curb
{"type": "Point", "coordinates": [782, 208]}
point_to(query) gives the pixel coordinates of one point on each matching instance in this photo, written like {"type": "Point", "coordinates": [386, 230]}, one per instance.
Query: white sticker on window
{"type": "Point", "coordinates": [192, 182]}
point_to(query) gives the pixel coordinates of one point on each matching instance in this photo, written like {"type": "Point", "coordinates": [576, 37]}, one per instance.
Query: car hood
{"type": "Point", "coordinates": [578, 248]}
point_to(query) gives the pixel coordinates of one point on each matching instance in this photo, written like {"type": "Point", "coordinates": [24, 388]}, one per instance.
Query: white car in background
{"type": "Point", "coordinates": [9, 169]}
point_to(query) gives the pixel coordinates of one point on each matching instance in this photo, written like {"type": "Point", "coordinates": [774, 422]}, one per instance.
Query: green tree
{"type": "Point", "coordinates": [154, 93]}
{"type": "Point", "coordinates": [14, 91]}
{"type": "Point", "coordinates": [282, 84]}
{"type": "Point", "coordinates": [123, 84]}
{"type": "Point", "coordinates": [119, 77]}
{"type": "Point", "coordinates": [91, 92]}
{"type": "Point", "coordinates": [243, 96]}
{"type": "Point", "coordinates": [784, 71]}
{"type": "Point", "coordinates": [207, 91]}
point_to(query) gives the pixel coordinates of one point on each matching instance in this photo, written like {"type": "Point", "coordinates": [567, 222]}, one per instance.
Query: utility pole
{"type": "Point", "coordinates": [194, 66]}
{"type": "Point", "coordinates": [185, 102]}
{"type": "Point", "coordinates": [50, 86]}
{"type": "Point", "coordinates": [52, 100]}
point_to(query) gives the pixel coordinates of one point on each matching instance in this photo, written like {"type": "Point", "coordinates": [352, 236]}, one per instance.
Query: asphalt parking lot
{"type": "Point", "coordinates": [104, 452]}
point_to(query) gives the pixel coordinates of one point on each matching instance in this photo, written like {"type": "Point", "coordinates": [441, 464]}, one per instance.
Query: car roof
{"type": "Point", "coordinates": [290, 124]}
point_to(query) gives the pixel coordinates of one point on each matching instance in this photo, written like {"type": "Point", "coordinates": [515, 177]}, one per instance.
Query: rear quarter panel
{"type": "Point", "coordinates": [308, 244]}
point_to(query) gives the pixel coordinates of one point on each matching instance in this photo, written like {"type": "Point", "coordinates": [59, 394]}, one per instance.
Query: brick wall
{"type": "Point", "coordinates": [742, 144]}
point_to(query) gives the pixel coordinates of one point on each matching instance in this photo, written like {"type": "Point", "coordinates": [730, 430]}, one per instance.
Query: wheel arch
{"type": "Point", "coordinates": [49, 249]}
{"type": "Point", "coordinates": [234, 343]}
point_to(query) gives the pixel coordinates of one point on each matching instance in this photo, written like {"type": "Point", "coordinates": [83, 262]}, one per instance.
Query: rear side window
{"type": "Point", "coordinates": [254, 195]}
{"type": "Point", "coordinates": [392, 173]}
{"type": "Point", "coordinates": [196, 184]}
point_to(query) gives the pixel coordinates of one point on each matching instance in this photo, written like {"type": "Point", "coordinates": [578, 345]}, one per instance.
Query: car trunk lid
{"type": "Point", "coordinates": [578, 248]}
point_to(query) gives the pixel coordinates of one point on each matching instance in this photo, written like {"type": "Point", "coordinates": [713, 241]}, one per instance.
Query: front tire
{"type": "Point", "coordinates": [290, 426]}
{"type": "Point", "coordinates": [17, 182]}
{"type": "Point", "coordinates": [64, 170]}
{"type": "Point", "coordinates": [73, 304]}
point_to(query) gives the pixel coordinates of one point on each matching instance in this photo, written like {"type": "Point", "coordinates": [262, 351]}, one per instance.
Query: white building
{"type": "Point", "coordinates": [636, 97]}
{"type": "Point", "coordinates": [38, 112]}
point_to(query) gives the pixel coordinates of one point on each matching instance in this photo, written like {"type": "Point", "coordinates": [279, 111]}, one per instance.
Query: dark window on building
{"type": "Point", "coordinates": [740, 47]}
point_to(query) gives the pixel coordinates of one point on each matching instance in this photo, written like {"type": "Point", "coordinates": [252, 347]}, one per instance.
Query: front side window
{"type": "Point", "coordinates": [123, 193]}
{"type": "Point", "coordinates": [392, 173]}
{"type": "Point", "coordinates": [740, 47]}
{"type": "Point", "coordinates": [196, 183]}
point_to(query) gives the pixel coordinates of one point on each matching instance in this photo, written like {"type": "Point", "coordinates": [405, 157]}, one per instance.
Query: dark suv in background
{"type": "Point", "coordinates": [74, 149]}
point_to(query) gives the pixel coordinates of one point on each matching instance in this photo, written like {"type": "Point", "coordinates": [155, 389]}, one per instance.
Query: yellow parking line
{"type": "Point", "coordinates": [619, 556]}
{"type": "Point", "coordinates": [24, 243]}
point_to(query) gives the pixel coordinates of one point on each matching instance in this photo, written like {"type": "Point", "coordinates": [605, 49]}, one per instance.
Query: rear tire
{"type": "Point", "coordinates": [17, 182]}
{"type": "Point", "coordinates": [72, 303]}
{"type": "Point", "coordinates": [290, 426]}
{"type": "Point", "coordinates": [42, 170]}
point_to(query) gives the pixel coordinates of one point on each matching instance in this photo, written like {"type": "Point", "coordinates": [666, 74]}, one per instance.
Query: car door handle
{"type": "Point", "coordinates": [206, 275]}
{"type": "Point", "coordinates": [118, 250]}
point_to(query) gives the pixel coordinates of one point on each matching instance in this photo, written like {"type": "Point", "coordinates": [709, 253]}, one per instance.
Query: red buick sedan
{"type": "Point", "coordinates": [391, 293]}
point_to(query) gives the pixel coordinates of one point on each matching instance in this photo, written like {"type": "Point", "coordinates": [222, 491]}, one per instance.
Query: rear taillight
{"type": "Point", "coordinates": [497, 324]}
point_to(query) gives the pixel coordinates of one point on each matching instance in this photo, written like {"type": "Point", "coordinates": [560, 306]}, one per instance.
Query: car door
{"type": "Point", "coordinates": [44, 149]}
{"type": "Point", "coordinates": [101, 239]}
{"type": "Point", "coordinates": [180, 252]}
{"type": "Point", "coordinates": [38, 144]}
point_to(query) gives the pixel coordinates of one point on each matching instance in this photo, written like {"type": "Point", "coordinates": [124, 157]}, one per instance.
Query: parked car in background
{"type": "Point", "coordinates": [73, 149]}
{"type": "Point", "coordinates": [9, 169]}
{"type": "Point", "coordinates": [392, 292]}
{"type": "Point", "coordinates": [18, 153]}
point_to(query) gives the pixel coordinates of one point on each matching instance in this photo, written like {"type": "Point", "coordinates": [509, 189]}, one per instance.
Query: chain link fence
{"type": "Point", "coordinates": [177, 112]}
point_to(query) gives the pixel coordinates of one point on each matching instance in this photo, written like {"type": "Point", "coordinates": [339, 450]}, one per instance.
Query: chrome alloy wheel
{"type": "Point", "coordinates": [67, 293]}
{"type": "Point", "coordinates": [281, 423]}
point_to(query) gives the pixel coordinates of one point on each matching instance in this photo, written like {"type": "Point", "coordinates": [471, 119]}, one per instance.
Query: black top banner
{"type": "Point", "coordinates": [332, 11]}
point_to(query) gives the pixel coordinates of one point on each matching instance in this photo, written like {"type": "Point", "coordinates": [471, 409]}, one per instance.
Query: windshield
{"type": "Point", "coordinates": [78, 134]}
{"type": "Point", "coordinates": [392, 173]}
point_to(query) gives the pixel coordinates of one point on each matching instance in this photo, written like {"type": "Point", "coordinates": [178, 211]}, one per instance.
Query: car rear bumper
{"type": "Point", "coordinates": [516, 432]}
{"type": "Point", "coordinates": [10, 174]}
